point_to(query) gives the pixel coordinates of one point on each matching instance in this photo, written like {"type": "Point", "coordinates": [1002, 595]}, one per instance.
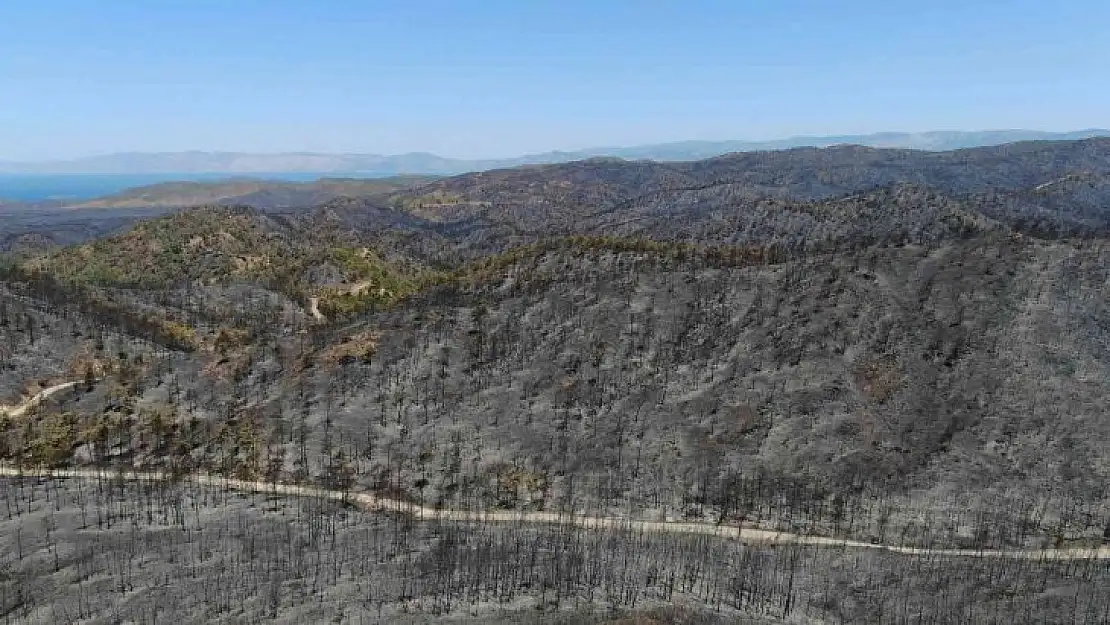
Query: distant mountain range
{"type": "Point", "coordinates": [425, 163]}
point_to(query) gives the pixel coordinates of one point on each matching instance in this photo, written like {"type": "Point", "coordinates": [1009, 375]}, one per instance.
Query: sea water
{"type": "Point", "coordinates": [40, 187]}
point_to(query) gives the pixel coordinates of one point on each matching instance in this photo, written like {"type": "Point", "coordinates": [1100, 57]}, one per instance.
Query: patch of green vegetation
{"type": "Point", "coordinates": [204, 245]}
{"type": "Point", "coordinates": [369, 283]}
{"type": "Point", "coordinates": [181, 333]}
{"type": "Point", "coordinates": [218, 245]}
{"type": "Point", "coordinates": [676, 251]}
{"type": "Point", "coordinates": [8, 262]}
{"type": "Point", "coordinates": [46, 441]}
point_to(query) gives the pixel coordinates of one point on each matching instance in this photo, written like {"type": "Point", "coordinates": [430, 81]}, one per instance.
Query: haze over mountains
{"type": "Point", "coordinates": [198, 162]}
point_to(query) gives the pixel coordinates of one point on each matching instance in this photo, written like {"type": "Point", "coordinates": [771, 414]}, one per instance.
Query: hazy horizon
{"type": "Point", "coordinates": [487, 80]}
{"type": "Point", "coordinates": [571, 150]}
{"type": "Point", "coordinates": [106, 175]}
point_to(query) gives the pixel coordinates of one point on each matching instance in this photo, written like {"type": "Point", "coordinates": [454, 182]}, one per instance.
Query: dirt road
{"type": "Point", "coordinates": [374, 503]}
{"type": "Point", "coordinates": [21, 409]}
{"type": "Point", "coordinates": [314, 309]}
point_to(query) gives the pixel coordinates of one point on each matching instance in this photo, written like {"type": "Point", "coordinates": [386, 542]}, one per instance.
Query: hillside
{"type": "Point", "coordinates": [867, 358]}
{"type": "Point", "coordinates": [302, 258]}
{"type": "Point", "coordinates": [908, 371]}
{"type": "Point", "coordinates": [262, 194]}
{"type": "Point", "coordinates": [34, 230]}
{"type": "Point", "coordinates": [894, 347]}
{"type": "Point", "coordinates": [517, 205]}
{"type": "Point", "coordinates": [802, 173]}
{"type": "Point", "coordinates": [254, 558]}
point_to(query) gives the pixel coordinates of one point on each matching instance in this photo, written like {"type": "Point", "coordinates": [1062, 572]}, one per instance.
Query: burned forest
{"type": "Point", "coordinates": [839, 385]}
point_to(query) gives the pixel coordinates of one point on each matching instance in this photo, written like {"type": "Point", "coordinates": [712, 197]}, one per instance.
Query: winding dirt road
{"type": "Point", "coordinates": [21, 409]}
{"type": "Point", "coordinates": [374, 503]}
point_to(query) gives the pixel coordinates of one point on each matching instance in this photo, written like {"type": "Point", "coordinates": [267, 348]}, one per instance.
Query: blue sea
{"type": "Point", "coordinates": [39, 187]}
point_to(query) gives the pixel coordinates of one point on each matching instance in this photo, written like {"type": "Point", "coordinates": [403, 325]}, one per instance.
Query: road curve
{"type": "Point", "coordinates": [374, 503]}
{"type": "Point", "coordinates": [21, 409]}
{"type": "Point", "coordinates": [314, 309]}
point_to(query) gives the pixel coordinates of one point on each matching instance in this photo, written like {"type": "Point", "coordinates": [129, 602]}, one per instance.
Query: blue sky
{"type": "Point", "coordinates": [486, 78]}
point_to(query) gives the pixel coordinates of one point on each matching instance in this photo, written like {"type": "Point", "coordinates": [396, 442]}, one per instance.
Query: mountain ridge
{"type": "Point", "coordinates": [193, 162]}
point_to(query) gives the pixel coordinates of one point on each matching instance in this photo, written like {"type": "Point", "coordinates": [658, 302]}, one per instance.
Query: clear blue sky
{"type": "Point", "coordinates": [475, 78]}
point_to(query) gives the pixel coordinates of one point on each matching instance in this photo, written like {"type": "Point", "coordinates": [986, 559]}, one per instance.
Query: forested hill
{"type": "Point", "coordinates": [1050, 186]}
{"type": "Point", "coordinates": [885, 345]}
{"type": "Point", "coordinates": [266, 194]}
{"type": "Point", "coordinates": [529, 196]}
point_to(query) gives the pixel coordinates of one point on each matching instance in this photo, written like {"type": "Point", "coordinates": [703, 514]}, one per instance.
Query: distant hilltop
{"type": "Point", "coordinates": [425, 163]}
